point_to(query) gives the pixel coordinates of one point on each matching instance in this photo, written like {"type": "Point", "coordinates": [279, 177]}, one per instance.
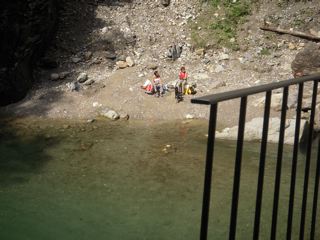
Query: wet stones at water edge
{"type": "Point", "coordinates": [111, 114]}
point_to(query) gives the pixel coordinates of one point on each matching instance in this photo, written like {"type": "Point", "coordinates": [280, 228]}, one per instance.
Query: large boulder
{"type": "Point", "coordinates": [253, 130]}
{"type": "Point", "coordinates": [307, 61]}
{"type": "Point", "coordinates": [26, 26]}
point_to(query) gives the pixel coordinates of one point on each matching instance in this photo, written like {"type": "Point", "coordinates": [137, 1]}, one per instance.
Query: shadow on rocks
{"type": "Point", "coordinates": [38, 107]}
{"type": "Point", "coordinates": [22, 152]}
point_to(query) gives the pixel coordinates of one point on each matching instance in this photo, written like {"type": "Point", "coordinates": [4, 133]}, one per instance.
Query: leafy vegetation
{"type": "Point", "coordinates": [217, 26]}
{"type": "Point", "coordinates": [265, 51]}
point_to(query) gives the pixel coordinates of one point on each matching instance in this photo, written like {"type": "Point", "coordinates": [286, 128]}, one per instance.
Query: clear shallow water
{"type": "Point", "coordinates": [118, 180]}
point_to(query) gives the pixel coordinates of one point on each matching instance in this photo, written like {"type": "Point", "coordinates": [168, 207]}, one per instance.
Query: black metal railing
{"type": "Point", "coordinates": [213, 101]}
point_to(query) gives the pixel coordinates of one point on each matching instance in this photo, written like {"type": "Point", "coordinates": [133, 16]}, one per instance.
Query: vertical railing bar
{"type": "Point", "coordinates": [279, 163]}
{"type": "Point", "coordinates": [237, 170]}
{"type": "Point", "coordinates": [208, 172]}
{"type": "Point", "coordinates": [263, 150]}
{"type": "Point", "coordinates": [307, 166]}
{"type": "Point", "coordinates": [294, 161]}
{"type": "Point", "coordinates": [315, 196]}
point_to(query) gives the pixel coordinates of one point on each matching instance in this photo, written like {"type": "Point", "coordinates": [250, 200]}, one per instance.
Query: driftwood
{"type": "Point", "coordinates": [293, 33]}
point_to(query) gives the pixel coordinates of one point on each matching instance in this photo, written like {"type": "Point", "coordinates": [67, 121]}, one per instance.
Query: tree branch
{"type": "Point", "coordinates": [293, 33]}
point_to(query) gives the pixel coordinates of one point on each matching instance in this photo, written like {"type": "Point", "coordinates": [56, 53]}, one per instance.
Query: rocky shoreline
{"type": "Point", "coordinates": [104, 52]}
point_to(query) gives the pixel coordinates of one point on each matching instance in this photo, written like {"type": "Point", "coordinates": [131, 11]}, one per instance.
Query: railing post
{"type": "Point", "coordinates": [294, 161]}
{"type": "Point", "coordinates": [307, 166]}
{"type": "Point", "coordinates": [263, 150]}
{"type": "Point", "coordinates": [208, 173]}
{"type": "Point", "coordinates": [279, 164]}
{"type": "Point", "coordinates": [237, 169]}
{"type": "Point", "coordinates": [315, 195]}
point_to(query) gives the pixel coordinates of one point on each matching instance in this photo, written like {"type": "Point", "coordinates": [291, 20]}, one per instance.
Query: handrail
{"type": "Point", "coordinates": [219, 97]}
{"type": "Point", "coordinates": [242, 94]}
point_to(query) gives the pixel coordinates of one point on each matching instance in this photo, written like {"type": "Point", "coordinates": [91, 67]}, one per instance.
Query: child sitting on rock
{"type": "Point", "coordinates": [148, 87]}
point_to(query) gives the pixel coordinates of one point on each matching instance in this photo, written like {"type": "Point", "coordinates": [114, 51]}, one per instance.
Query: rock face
{"type": "Point", "coordinates": [26, 26]}
{"type": "Point", "coordinates": [308, 60]}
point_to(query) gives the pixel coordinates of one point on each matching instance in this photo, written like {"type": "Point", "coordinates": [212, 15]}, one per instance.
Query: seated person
{"type": "Point", "coordinates": [148, 87]}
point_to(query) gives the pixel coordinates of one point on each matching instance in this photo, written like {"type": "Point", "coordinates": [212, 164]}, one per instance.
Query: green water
{"type": "Point", "coordinates": [119, 181]}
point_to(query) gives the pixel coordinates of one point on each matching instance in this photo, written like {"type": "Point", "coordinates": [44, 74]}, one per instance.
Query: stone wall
{"type": "Point", "coordinates": [26, 26]}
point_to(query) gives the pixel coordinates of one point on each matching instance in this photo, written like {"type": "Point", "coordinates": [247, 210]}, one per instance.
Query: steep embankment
{"type": "Point", "coordinates": [25, 27]}
{"type": "Point", "coordinates": [116, 45]}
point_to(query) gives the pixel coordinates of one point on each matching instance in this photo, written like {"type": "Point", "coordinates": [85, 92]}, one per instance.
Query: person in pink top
{"type": "Point", "coordinates": [157, 84]}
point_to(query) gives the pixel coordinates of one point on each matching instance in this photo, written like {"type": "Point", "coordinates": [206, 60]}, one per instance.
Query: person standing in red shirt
{"type": "Point", "coordinates": [183, 76]}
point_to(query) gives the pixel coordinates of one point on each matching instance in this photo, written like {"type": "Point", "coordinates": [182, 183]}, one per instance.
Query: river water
{"type": "Point", "coordinates": [130, 180]}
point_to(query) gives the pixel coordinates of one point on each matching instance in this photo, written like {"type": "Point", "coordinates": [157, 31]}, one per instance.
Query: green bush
{"type": "Point", "coordinates": [220, 30]}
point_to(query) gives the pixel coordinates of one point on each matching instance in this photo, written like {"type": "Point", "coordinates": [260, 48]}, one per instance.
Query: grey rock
{"type": "Point", "coordinates": [121, 58]}
{"type": "Point", "coordinates": [111, 114]}
{"type": "Point", "coordinates": [124, 116]}
{"type": "Point", "coordinates": [165, 3]}
{"type": "Point", "coordinates": [253, 130]}
{"type": "Point", "coordinates": [200, 51]}
{"type": "Point", "coordinates": [63, 75]}
{"type": "Point", "coordinates": [54, 76]}
{"type": "Point", "coordinates": [206, 61]}
{"type": "Point", "coordinates": [307, 61]}
{"type": "Point", "coordinates": [76, 59]}
{"type": "Point", "coordinates": [91, 120]}
{"type": "Point", "coordinates": [110, 55]}
{"type": "Point", "coordinates": [104, 30]}
{"type": "Point", "coordinates": [224, 56]}
{"type": "Point", "coordinates": [121, 64]}
{"type": "Point", "coordinates": [129, 61]}
{"type": "Point", "coordinates": [219, 68]}
{"type": "Point", "coordinates": [189, 116]}
{"type": "Point", "coordinates": [82, 77]}
{"type": "Point", "coordinates": [87, 55]}
{"type": "Point", "coordinates": [73, 86]}
{"type": "Point", "coordinates": [88, 82]}
{"type": "Point", "coordinates": [152, 66]}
